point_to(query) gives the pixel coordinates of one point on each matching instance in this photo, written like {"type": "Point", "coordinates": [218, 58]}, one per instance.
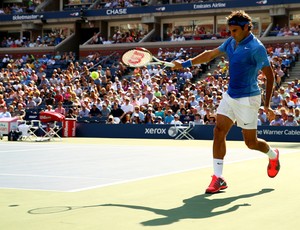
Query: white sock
{"type": "Point", "coordinates": [271, 154]}
{"type": "Point", "coordinates": [218, 167]}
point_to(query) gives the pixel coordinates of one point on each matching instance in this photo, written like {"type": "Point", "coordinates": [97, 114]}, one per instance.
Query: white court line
{"type": "Point", "coordinates": [50, 176]}
{"type": "Point", "coordinates": [33, 149]}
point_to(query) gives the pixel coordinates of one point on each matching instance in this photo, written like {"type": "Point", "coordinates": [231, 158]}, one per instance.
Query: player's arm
{"type": "Point", "coordinates": [268, 71]}
{"type": "Point", "coordinates": [204, 57]}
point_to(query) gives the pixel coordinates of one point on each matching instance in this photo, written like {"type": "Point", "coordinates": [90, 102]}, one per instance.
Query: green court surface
{"type": "Point", "coordinates": [41, 190]}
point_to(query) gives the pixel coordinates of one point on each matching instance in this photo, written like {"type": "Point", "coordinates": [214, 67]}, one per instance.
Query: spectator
{"type": "Point", "coordinates": [95, 112]}
{"type": "Point", "coordinates": [143, 99]}
{"type": "Point", "coordinates": [176, 120]}
{"type": "Point", "coordinates": [84, 112]}
{"type": "Point", "coordinates": [5, 60]}
{"type": "Point", "coordinates": [20, 112]}
{"type": "Point", "coordinates": [278, 121]}
{"type": "Point", "coordinates": [49, 108]}
{"type": "Point", "coordinates": [2, 101]}
{"type": "Point", "coordinates": [3, 112]}
{"type": "Point", "coordinates": [293, 96]}
{"type": "Point", "coordinates": [60, 109]}
{"type": "Point", "coordinates": [183, 116]}
{"type": "Point", "coordinates": [139, 113]}
{"type": "Point", "coordinates": [159, 112]}
{"type": "Point", "coordinates": [290, 120]}
{"type": "Point", "coordinates": [289, 102]}
{"type": "Point", "coordinates": [105, 110]}
{"type": "Point", "coordinates": [222, 63]}
{"type": "Point", "coordinates": [198, 120]}
{"type": "Point", "coordinates": [127, 119]}
{"type": "Point", "coordinates": [262, 116]}
{"type": "Point", "coordinates": [283, 113]}
{"type": "Point", "coordinates": [117, 112]}
{"type": "Point", "coordinates": [282, 92]}
{"type": "Point", "coordinates": [31, 104]}
{"type": "Point", "coordinates": [169, 117]}
{"type": "Point", "coordinates": [71, 114]}
{"type": "Point", "coordinates": [159, 120]}
{"type": "Point", "coordinates": [149, 117]}
{"type": "Point", "coordinates": [110, 120]}
{"type": "Point", "coordinates": [207, 115]}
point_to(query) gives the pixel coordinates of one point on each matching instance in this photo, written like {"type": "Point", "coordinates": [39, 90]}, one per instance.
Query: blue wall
{"type": "Point", "coordinates": [199, 132]}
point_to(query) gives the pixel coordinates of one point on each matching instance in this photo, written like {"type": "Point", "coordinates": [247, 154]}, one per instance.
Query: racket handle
{"type": "Point", "coordinates": [168, 64]}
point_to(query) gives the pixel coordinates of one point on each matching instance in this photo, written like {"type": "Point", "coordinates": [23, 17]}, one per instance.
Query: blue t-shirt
{"type": "Point", "coordinates": [245, 60]}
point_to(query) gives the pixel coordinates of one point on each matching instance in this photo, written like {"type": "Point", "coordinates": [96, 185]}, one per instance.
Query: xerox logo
{"type": "Point", "coordinates": [116, 11]}
{"type": "Point", "coordinates": [153, 131]}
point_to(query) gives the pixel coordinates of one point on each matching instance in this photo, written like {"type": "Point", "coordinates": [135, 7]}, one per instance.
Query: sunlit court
{"type": "Point", "coordinates": [138, 184]}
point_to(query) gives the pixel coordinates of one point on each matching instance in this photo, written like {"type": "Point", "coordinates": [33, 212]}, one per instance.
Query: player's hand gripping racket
{"type": "Point", "coordinates": [139, 57]}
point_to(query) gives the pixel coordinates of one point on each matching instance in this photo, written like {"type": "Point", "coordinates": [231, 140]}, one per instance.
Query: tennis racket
{"type": "Point", "coordinates": [138, 57]}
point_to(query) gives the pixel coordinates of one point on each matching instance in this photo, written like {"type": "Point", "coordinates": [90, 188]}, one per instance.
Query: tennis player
{"type": "Point", "coordinates": [240, 104]}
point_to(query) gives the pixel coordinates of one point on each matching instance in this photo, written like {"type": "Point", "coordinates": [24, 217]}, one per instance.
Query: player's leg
{"type": "Point", "coordinates": [221, 130]}
{"type": "Point", "coordinates": [252, 142]}
{"type": "Point", "coordinates": [246, 117]}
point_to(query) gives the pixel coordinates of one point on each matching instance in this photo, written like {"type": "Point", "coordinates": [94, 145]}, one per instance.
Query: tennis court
{"type": "Point", "coordinates": [143, 184]}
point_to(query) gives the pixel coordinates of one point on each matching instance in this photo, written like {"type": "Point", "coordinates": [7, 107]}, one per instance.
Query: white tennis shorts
{"type": "Point", "coordinates": [242, 110]}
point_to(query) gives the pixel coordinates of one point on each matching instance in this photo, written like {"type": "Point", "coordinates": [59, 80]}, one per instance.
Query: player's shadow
{"type": "Point", "coordinates": [196, 207]}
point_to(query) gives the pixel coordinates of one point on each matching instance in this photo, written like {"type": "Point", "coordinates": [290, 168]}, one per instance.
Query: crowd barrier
{"type": "Point", "coordinates": [199, 132]}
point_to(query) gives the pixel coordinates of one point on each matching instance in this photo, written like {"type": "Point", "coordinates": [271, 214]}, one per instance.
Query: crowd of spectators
{"type": "Point", "coordinates": [149, 95]}
{"type": "Point", "coordinates": [49, 39]}
{"type": "Point", "coordinates": [198, 33]}
{"type": "Point", "coordinates": [285, 31]}
{"type": "Point", "coordinates": [19, 8]}
{"type": "Point", "coordinates": [119, 37]}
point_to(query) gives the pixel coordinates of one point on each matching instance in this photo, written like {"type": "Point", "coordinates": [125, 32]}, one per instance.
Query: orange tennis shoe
{"type": "Point", "coordinates": [216, 184]}
{"type": "Point", "coordinates": [274, 165]}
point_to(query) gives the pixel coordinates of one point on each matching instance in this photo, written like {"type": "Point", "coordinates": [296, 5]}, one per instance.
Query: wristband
{"type": "Point", "coordinates": [187, 63]}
